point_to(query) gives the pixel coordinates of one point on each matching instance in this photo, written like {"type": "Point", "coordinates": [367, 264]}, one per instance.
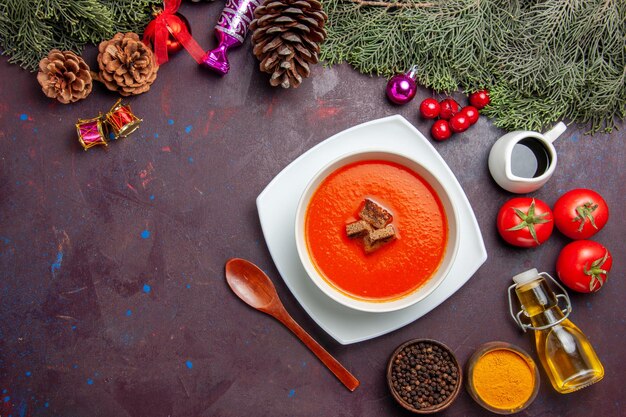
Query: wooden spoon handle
{"type": "Point", "coordinates": [327, 359]}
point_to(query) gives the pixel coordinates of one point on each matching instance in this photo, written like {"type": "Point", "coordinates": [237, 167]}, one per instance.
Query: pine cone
{"type": "Point", "coordinates": [287, 37]}
{"type": "Point", "coordinates": [64, 76]}
{"type": "Point", "coordinates": [126, 64]}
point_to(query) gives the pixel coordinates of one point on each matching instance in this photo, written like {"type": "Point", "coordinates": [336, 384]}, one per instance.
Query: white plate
{"type": "Point", "coordinates": [277, 211]}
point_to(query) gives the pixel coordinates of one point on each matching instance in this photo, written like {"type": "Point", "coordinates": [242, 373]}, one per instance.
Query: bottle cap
{"type": "Point", "coordinates": [526, 277]}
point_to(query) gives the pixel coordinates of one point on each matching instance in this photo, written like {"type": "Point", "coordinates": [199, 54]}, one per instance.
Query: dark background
{"type": "Point", "coordinates": [112, 294]}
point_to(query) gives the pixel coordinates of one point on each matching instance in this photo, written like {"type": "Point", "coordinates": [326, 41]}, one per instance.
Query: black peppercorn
{"type": "Point", "coordinates": [423, 375]}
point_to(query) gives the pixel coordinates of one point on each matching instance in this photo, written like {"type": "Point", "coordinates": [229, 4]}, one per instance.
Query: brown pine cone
{"type": "Point", "coordinates": [126, 64]}
{"type": "Point", "coordinates": [287, 37]}
{"type": "Point", "coordinates": [64, 76]}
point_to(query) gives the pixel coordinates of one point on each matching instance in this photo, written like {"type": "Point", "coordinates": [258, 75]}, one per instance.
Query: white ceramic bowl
{"type": "Point", "coordinates": [361, 304]}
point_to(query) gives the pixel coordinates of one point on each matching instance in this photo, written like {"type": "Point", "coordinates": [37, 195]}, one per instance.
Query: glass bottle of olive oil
{"type": "Point", "coordinates": [564, 351]}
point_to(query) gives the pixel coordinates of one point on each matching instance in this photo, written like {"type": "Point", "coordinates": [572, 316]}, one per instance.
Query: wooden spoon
{"type": "Point", "coordinates": [255, 288]}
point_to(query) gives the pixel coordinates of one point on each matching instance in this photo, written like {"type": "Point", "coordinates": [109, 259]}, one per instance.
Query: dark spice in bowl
{"type": "Point", "coordinates": [424, 376]}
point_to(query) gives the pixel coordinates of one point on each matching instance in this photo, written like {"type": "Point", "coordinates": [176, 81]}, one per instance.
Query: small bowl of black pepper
{"type": "Point", "coordinates": [424, 376]}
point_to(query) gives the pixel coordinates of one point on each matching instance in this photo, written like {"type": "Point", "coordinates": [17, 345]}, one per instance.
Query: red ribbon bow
{"type": "Point", "coordinates": [159, 29]}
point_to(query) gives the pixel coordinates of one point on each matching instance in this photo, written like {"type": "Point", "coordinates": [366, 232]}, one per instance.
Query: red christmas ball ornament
{"type": "Point", "coordinates": [169, 32]}
{"type": "Point", "coordinates": [429, 108]}
{"type": "Point", "coordinates": [441, 130]}
{"type": "Point", "coordinates": [449, 108]}
{"type": "Point", "coordinates": [459, 123]}
{"type": "Point", "coordinates": [480, 99]}
{"type": "Point", "coordinates": [471, 113]}
{"type": "Point", "coordinates": [174, 28]}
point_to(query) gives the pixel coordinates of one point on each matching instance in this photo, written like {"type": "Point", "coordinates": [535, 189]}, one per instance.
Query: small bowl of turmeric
{"type": "Point", "coordinates": [502, 378]}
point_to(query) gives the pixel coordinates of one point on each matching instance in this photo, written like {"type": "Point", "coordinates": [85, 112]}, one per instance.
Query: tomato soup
{"type": "Point", "coordinates": [401, 266]}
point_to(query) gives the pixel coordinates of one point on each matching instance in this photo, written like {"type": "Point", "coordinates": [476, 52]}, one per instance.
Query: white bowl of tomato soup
{"type": "Point", "coordinates": [402, 270]}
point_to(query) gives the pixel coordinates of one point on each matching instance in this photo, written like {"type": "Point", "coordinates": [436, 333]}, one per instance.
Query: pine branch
{"type": "Point", "coordinates": [30, 29]}
{"type": "Point", "coordinates": [543, 61]}
{"type": "Point", "coordinates": [131, 15]}
{"type": "Point", "coordinates": [395, 4]}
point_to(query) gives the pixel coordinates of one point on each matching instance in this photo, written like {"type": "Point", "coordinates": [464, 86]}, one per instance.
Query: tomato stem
{"type": "Point", "coordinates": [529, 220]}
{"type": "Point", "coordinates": [585, 212]}
{"type": "Point", "coordinates": [596, 271]}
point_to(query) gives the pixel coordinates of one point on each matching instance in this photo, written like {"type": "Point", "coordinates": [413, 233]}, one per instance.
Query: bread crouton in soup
{"type": "Point", "coordinates": [358, 229]}
{"type": "Point", "coordinates": [377, 238]}
{"type": "Point", "coordinates": [375, 214]}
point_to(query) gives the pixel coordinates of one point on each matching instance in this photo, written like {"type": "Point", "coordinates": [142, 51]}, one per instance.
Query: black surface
{"type": "Point", "coordinates": [80, 335]}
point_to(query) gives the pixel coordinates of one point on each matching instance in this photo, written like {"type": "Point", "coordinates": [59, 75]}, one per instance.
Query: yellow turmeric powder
{"type": "Point", "coordinates": [503, 379]}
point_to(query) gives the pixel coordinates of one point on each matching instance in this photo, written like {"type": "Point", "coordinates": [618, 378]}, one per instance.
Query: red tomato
{"type": "Point", "coordinates": [471, 113]}
{"type": "Point", "coordinates": [449, 108]}
{"type": "Point", "coordinates": [440, 130]}
{"type": "Point", "coordinates": [584, 265]}
{"type": "Point", "coordinates": [459, 123]}
{"type": "Point", "coordinates": [580, 213]}
{"type": "Point", "coordinates": [429, 108]}
{"type": "Point", "coordinates": [480, 99]}
{"type": "Point", "coordinates": [525, 222]}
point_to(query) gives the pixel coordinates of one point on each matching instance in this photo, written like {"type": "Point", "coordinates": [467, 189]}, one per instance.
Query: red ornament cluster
{"type": "Point", "coordinates": [453, 118]}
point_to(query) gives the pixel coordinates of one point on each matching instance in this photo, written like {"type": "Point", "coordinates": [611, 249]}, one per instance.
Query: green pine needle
{"type": "Point", "coordinates": [30, 29]}
{"type": "Point", "coordinates": [541, 61]}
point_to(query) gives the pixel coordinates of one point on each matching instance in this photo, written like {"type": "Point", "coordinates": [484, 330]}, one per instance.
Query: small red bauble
{"type": "Point", "coordinates": [479, 99]}
{"type": "Point", "coordinates": [441, 130]}
{"type": "Point", "coordinates": [429, 109]}
{"type": "Point", "coordinates": [471, 113]}
{"type": "Point", "coordinates": [449, 108]}
{"type": "Point", "coordinates": [174, 27]}
{"type": "Point", "coordinates": [459, 123]}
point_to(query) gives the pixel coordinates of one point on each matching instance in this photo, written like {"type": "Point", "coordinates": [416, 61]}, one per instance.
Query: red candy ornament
{"type": "Point", "coordinates": [471, 113]}
{"type": "Point", "coordinates": [429, 108]}
{"type": "Point", "coordinates": [459, 123]}
{"type": "Point", "coordinates": [449, 108]}
{"type": "Point", "coordinates": [441, 130]}
{"type": "Point", "coordinates": [480, 99]}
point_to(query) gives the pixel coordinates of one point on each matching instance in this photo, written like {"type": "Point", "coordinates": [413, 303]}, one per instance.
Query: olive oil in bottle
{"type": "Point", "coordinates": [564, 351]}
